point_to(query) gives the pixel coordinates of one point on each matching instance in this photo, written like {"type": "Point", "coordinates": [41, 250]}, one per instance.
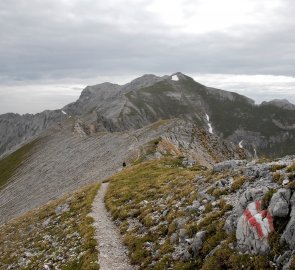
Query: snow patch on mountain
{"type": "Point", "coordinates": [174, 78]}
{"type": "Point", "coordinates": [209, 124]}
{"type": "Point", "coordinates": [255, 152]}
{"type": "Point", "coordinates": [241, 144]}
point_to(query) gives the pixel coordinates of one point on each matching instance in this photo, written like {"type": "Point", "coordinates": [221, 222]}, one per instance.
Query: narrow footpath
{"type": "Point", "coordinates": [112, 252]}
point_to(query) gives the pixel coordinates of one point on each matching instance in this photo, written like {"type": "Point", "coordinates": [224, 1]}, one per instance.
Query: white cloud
{"type": "Point", "coordinates": [202, 16]}
{"type": "Point", "coordinates": [36, 98]}
{"type": "Point", "coordinates": [258, 87]}
{"type": "Point", "coordinates": [28, 97]}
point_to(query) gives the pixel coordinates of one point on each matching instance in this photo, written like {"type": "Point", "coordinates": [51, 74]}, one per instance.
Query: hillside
{"type": "Point", "coordinates": [68, 156]}
{"type": "Point", "coordinates": [174, 216]}
{"type": "Point", "coordinates": [59, 235]}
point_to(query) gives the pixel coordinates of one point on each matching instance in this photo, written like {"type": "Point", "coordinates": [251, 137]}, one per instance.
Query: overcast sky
{"type": "Point", "coordinates": [51, 49]}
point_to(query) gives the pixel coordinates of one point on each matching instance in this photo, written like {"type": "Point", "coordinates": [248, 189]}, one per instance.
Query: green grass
{"type": "Point", "coordinates": [68, 230]}
{"type": "Point", "coordinates": [267, 198]}
{"type": "Point", "coordinates": [278, 178]}
{"type": "Point", "coordinates": [238, 182]}
{"type": "Point", "coordinates": [291, 168]}
{"type": "Point", "coordinates": [9, 164]}
{"type": "Point", "coordinates": [226, 258]}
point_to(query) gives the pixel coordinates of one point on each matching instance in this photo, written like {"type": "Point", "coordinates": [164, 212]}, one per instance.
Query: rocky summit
{"type": "Point", "coordinates": [177, 174]}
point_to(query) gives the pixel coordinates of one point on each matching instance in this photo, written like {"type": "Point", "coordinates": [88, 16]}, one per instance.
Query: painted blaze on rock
{"type": "Point", "coordinates": [253, 229]}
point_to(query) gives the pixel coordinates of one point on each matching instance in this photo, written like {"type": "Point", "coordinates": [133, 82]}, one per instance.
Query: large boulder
{"type": "Point", "coordinates": [279, 204]}
{"type": "Point", "coordinates": [256, 171]}
{"type": "Point", "coordinates": [289, 234]}
{"type": "Point", "coordinates": [253, 229]}
{"type": "Point", "coordinates": [250, 195]}
{"type": "Point", "coordinates": [228, 165]}
{"type": "Point", "coordinates": [198, 242]}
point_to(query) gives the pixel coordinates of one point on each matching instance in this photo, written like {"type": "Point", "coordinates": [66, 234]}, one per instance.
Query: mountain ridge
{"type": "Point", "coordinates": [149, 98]}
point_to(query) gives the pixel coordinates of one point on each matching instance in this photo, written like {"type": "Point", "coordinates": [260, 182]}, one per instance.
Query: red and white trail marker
{"type": "Point", "coordinates": [260, 220]}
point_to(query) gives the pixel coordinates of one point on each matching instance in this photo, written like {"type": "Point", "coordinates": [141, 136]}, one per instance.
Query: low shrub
{"type": "Point", "coordinates": [277, 167]}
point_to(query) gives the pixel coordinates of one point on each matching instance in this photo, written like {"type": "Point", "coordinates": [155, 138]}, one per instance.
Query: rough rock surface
{"type": "Point", "coordinates": [289, 233]}
{"type": "Point", "coordinates": [253, 229]}
{"type": "Point", "coordinates": [16, 129]}
{"type": "Point", "coordinates": [198, 242]}
{"type": "Point", "coordinates": [279, 204]}
{"type": "Point", "coordinates": [228, 165]}
{"type": "Point", "coordinates": [281, 103]}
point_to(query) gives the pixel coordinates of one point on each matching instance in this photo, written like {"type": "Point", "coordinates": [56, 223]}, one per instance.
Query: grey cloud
{"type": "Point", "coordinates": [53, 39]}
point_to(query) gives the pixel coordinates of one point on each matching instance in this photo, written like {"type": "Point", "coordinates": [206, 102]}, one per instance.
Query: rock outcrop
{"type": "Point", "coordinates": [289, 234]}
{"type": "Point", "coordinates": [253, 229]}
{"type": "Point", "coordinates": [279, 204]}
{"type": "Point", "coordinates": [16, 129]}
{"type": "Point", "coordinates": [281, 103]}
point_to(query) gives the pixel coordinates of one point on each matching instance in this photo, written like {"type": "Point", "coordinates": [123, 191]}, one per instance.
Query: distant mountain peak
{"type": "Point", "coordinates": [281, 103]}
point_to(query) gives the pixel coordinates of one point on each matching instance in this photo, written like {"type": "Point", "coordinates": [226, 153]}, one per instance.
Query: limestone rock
{"type": "Point", "coordinates": [283, 259]}
{"type": "Point", "coordinates": [279, 204]}
{"type": "Point", "coordinates": [16, 129]}
{"type": "Point", "coordinates": [182, 235]}
{"type": "Point", "coordinates": [228, 165]}
{"type": "Point", "coordinates": [253, 229]}
{"type": "Point", "coordinates": [198, 241]}
{"type": "Point", "coordinates": [289, 234]}
{"type": "Point", "coordinates": [62, 209]}
{"type": "Point", "coordinates": [248, 196]}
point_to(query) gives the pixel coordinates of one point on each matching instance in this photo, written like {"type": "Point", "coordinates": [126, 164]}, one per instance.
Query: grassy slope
{"type": "Point", "coordinates": [138, 197]}
{"type": "Point", "coordinates": [44, 236]}
{"type": "Point", "coordinates": [9, 164]}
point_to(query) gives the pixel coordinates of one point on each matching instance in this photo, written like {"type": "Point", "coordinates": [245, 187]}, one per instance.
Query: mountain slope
{"type": "Point", "coordinates": [59, 235]}
{"type": "Point", "coordinates": [174, 216]}
{"type": "Point", "coordinates": [16, 129]}
{"type": "Point", "coordinates": [267, 129]}
{"type": "Point", "coordinates": [68, 156]}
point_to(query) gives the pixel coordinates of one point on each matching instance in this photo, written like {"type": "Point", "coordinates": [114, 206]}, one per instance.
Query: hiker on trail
{"type": "Point", "coordinates": [124, 164]}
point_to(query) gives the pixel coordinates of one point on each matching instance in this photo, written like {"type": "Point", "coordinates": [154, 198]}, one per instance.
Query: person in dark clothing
{"type": "Point", "coordinates": [124, 164]}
